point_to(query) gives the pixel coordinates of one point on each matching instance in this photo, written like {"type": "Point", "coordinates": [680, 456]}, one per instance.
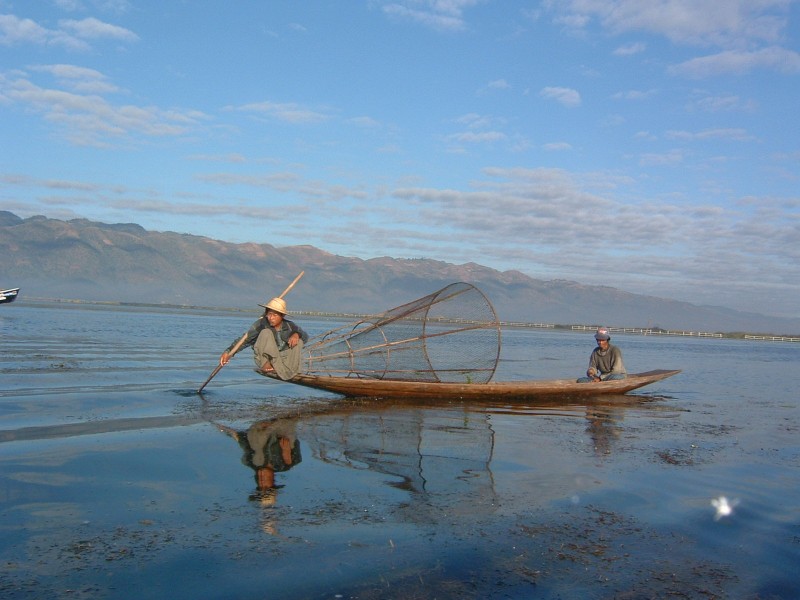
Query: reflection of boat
{"type": "Point", "coordinates": [364, 387]}
{"type": "Point", "coordinates": [445, 453]}
{"type": "Point", "coordinates": [460, 455]}
{"type": "Point", "coordinates": [8, 295]}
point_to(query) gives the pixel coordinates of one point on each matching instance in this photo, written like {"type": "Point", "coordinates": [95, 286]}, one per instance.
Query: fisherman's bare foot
{"type": "Point", "coordinates": [267, 367]}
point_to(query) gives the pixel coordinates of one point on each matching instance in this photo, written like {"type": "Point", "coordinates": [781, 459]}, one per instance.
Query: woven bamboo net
{"type": "Point", "coordinates": [452, 335]}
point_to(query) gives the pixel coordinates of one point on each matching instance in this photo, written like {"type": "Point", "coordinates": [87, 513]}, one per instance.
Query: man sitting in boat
{"type": "Point", "coordinates": [277, 342]}
{"type": "Point", "coordinates": [605, 361]}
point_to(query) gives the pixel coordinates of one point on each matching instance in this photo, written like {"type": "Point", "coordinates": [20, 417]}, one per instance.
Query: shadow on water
{"type": "Point", "coordinates": [202, 407]}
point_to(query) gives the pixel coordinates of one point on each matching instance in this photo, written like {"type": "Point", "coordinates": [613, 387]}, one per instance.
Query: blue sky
{"type": "Point", "coordinates": [648, 145]}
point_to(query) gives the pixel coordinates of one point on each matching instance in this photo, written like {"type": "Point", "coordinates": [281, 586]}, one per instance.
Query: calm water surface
{"type": "Point", "coordinates": [117, 480]}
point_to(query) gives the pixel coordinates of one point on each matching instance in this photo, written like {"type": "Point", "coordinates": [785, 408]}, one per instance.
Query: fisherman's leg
{"type": "Point", "coordinates": [288, 362]}
{"type": "Point", "coordinates": [265, 350]}
{"type": "Point", "coordinates": [614, 376]}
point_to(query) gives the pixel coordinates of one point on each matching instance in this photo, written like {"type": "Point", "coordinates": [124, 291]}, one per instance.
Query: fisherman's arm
{"type": "Point", "coordinates": [297, 334]}
{"type": "Point", "coordinates": [250, 339]}
{"type": "Point", "coordinates": [617, 366]}
{"type": "Point", "coordinates": [593, 372]}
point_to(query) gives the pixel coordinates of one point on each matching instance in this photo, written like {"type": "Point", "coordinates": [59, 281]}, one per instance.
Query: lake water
{"type": "Point", "coordinates": [117, 480]}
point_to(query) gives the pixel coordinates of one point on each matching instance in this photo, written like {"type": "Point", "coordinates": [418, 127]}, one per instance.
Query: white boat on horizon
{"type": "Point", "coordinates": [8, 295]}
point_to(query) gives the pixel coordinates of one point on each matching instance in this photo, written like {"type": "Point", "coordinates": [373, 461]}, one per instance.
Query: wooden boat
{"type": "Point", "coordinates": [443, 346]}
{"type": "Point", "coordinates": [8, 295]}
{"type": "Point", "coordinates": [363, 387]}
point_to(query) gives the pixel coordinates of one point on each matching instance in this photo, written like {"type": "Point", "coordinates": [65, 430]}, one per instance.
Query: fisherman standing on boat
{"type": "Point", "coordinates": [277, 342]}
{"type": "Point", "coordinates": [605, 361]}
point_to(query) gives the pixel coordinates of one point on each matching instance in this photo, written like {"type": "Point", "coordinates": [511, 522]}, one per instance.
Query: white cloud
{"type": "Point", "coordinates": [634, 95]}
{"type": "Point", "coordinates": [739, 62]}
{"type": "Point", "coordinates": [92, 28]}
{"type": "Point", "coordinates": [87, 118]}
{"type": "Point", "coordinates": [15, 31]}
{"type": "Point", "coordinates": [672, 157]}
{"type": "Point", "coordinates": [445, 15]}
{"type": "Point", "coordinates": [557, 146]}
{"type": "Point", "coordinates": [79, 79]}
{"type": "Point", "coordinates": [707, 103]}
{"type": "Point", "coordinates": [630, 49]}
{"type": "Point", "coordinates": [287, 111]}
{"type": "Point", "coordinates": [69, 5]}
{"type": "Point", "coordinates": [473, 137]}
{"type": "Point", "coordinates": [476, 121]}
{"type": "Point", "coordinates": [499, 84]}
{"type": "Point", "coordinates": [732, 23]}
{"type": "Point", "coordinates": [366, 122]}
{"type": "Point", "coordinates": [565, 96]}
{"type": "Point", "coordinates": [737, 135]}
{"type": "Point", "coordinates": [229, 158]}
{"type": "Point", "coordinates": [612, 121]}
{"type": "Point", "coordinates": [71, 34]}
{"type": "Point", "coordinates": [289, 182]}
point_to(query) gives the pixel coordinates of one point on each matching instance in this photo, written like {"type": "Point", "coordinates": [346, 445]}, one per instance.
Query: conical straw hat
{"type": "Point", "coordinates": [276, 304]}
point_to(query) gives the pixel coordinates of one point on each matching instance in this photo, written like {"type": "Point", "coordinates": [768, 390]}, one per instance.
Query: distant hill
{"type": "Point", "coordinates": [81, 259]}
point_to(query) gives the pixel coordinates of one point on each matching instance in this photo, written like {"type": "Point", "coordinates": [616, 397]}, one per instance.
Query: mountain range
{"type": "Point", "coordinates": [86, 260]}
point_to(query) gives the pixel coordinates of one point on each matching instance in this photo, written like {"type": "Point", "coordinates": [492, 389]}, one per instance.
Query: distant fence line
{"type": "Point", "coordinates": [648, 331]}
{"type": "Point", "coordinates": [772, 338]}
{"type": "Point", "coordinates": [645, 331]}
{"type": "Point", "coordinates": [630, 330]}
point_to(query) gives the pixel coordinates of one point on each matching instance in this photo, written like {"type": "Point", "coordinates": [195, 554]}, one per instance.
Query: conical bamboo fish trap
{"type": "Point", "coordinates": [452, 335]}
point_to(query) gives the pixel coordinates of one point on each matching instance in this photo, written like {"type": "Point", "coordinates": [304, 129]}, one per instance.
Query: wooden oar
{"type": "Point", "coordinates": [238, 344]}
{"type": "Point", "coordinates": [219, 366]}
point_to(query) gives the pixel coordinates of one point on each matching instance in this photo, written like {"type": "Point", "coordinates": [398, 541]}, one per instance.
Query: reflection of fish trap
{"type": "Point", "coordinates": [452, 335]}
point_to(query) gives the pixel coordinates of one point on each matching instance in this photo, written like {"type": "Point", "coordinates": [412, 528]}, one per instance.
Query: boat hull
{"type": "Point", "coordinates": [355, 387]}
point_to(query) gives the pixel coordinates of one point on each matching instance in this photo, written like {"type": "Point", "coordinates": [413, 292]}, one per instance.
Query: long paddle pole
{"type": "Point", "coordinates": [241, 341]}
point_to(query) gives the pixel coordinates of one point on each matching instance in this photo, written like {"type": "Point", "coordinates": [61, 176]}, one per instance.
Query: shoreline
{"type": "Point", "coordinates": [574, 327]}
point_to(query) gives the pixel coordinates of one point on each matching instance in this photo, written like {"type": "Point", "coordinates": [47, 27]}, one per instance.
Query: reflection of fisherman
{"type": "Point", "coordinates": [268, 447]}
{"type": "Point", "coordinates": [277, 342]}
{"type": "Point", "coordinates": [602, 427]}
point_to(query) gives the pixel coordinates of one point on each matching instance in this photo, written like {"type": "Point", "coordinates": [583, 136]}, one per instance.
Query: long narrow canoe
{"type": "Point", "coordinates": [356, 387]}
